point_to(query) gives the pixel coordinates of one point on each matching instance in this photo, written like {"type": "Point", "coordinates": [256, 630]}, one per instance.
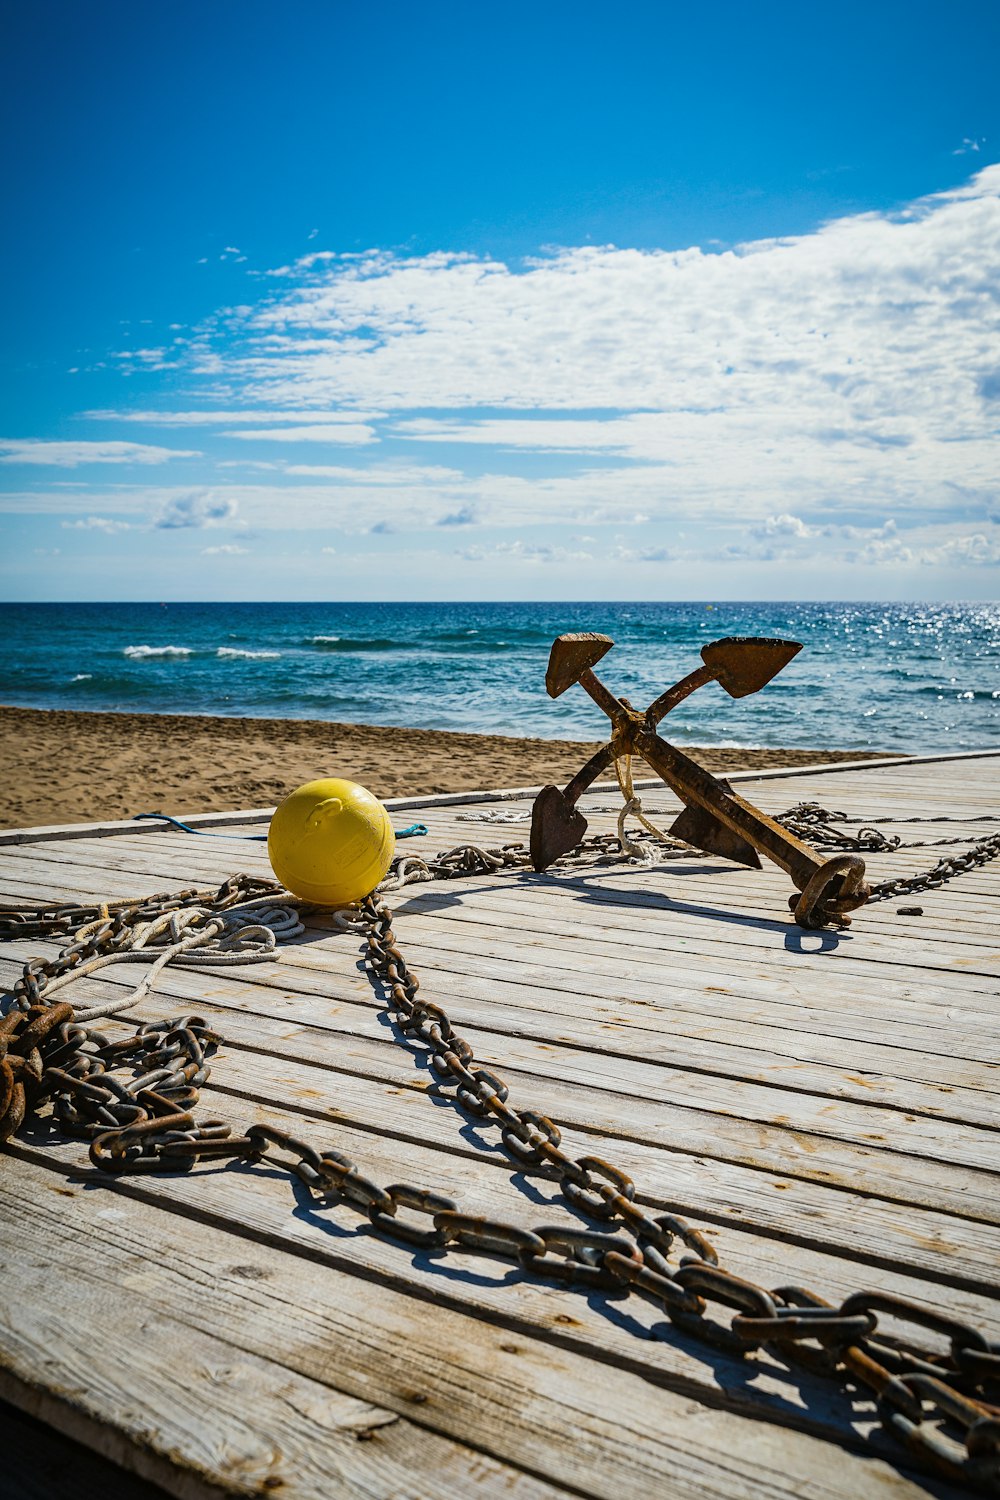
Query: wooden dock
{"type": "Point", "coordinates": [823, 1105]}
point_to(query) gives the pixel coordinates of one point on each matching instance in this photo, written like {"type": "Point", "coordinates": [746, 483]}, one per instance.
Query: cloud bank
{"type": "Point", "coordinates": [833, 396]}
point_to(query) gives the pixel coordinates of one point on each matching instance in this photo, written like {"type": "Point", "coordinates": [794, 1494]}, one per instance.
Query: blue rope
{"type": "Point", "coordinates": [415, 830]}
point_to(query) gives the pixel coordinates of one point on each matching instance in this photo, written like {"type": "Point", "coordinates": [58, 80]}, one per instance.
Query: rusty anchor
{"type": "Point", "coordinates": [714, 818]}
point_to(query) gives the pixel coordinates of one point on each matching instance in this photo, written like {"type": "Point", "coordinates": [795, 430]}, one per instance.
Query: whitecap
{"type": "Point", "coordinates": [137, 653]}
{"type": "Point", "coordinates": [82, 677]}
{"type": "Point", "coordinates": [325, 640]}
{"type": "Point", "coordinates": [234, 651]}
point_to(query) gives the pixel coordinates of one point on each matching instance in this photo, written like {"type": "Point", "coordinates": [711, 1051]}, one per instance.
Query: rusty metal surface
{"type": "Point", "coordinates": [556, 828]}
{"type": "Point", "coordinates": [718, 819]}
{"type": "Point", "coordinates": [704, 830]}
{"type": "Point", "coordinates": [571, 655]}
{"type": "Point", "coordinates": [743, 664]}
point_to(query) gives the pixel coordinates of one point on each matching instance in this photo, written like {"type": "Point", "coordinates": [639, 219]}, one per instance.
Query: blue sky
{"type": "Point", "coordinates": [342, 301]}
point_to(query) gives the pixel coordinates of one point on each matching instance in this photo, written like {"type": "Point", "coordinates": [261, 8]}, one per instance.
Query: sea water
{"type": "Point", "coordinates": [892, 677]}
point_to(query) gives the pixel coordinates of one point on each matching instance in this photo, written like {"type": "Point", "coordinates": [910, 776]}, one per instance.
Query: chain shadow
{"type": "Point", "coordinates": [765, 1386]}
{"type": "Point", "coordinates": [794, 1392]}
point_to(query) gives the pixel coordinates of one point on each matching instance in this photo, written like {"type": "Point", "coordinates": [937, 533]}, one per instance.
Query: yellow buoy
{"type": "Point", "coordinates": [331, 842]}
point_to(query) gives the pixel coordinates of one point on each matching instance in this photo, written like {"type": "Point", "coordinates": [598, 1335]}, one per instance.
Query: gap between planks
{"type": "Point", "coordinates": [526, 1403]}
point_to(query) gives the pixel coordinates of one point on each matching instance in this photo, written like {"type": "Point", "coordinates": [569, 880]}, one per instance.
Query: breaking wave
{"type": "Point", "coordinates": [139, 653]}
{"type": "Point", "coordinates": [346, 643]}
{"type": "Point", "coordinates": [234, 651]}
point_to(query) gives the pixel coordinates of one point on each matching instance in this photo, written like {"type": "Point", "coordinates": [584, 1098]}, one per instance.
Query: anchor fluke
{"type": "Point", "coordinates": [743, 664]}
{"type": "Point", "coordinates": [556, 827]}
{"type": "Point", "coordinates": [571, 656]}
{"type": "Point", "coordinates": [697, 826]}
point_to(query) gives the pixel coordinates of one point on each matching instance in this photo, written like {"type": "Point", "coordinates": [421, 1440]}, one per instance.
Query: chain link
{"type": "Point", "coordinates": [937, 1403]}
{"type": "Point", "coordinates": [809, 820]}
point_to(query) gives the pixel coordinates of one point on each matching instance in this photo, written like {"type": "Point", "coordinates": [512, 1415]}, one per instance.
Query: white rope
{"type": "Point", "coordinates": [647, 853]}
{"type": "Point", "coordinates": [246, 934]}
{"type": "Point", "coordinates": [411, 870]}
{"type": "Point", "coordinates": [495, 815]}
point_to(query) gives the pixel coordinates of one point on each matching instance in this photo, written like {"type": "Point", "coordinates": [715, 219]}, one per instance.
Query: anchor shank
{"type": "Point", "coordinates": [696, 785]}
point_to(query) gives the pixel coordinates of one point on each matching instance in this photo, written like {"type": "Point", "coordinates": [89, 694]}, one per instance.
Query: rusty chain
{"type": "Point", "coordinates": [812, 821]}
{"type": "Point", "coordinates": [147, 1124]}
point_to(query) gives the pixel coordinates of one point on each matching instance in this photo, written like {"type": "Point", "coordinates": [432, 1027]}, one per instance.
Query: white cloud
{"type": "Point", "coordinates": [194, 508]}
{"type": "Point", "coordinates": [228, 418]}
{"type": "Point", "coordinates": [642, 554]}
{"type": "Point", "coordinates": [890, 551]}
{"type": "Point", "coordinates": [97, 523]}
{"type": "Point", "coordinates": [854, 364]}
{"type": "Point", "coordinates": [788, 538]}
{"type": "Point", "coordinates": [464, 516]}
{"type": "Point", "coordinates": [788, 526]}
{"type": "Point", "coordinates": [333, 433]}
{"type": "Point", "coordinates": [771, 403]}
{"type": "Point", "coordinates": [539, 434]}
{"type": "Point", "coordinates": [145, 356]}
{"type": "Point", "coordinates": [228, 549]}
{"type": "Point", "coordinates": [534, 554]}
{"type": "Point", "coordinates": [392, 474]}
{"type": "Point", "coordinates": [977, 551]}
{"type": "Point", "coordinates": [69, 455]}
{"type": "Point", "coordinates": [967, 145]}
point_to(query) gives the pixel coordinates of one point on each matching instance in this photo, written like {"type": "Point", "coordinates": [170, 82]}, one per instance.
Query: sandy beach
{"type": "Point", "coordinates": [66, 767]}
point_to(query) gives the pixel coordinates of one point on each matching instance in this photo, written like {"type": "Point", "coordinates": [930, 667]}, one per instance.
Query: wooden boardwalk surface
{"type": "Point", "coordinates": [824, 1105]}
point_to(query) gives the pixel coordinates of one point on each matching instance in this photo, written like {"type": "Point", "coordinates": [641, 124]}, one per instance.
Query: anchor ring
{"type": "Point", "coordinates": [809, 908]}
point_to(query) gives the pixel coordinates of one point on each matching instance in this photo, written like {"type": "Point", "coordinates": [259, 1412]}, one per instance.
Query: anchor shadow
{"type": "Point", "coordinates": [584, 885]}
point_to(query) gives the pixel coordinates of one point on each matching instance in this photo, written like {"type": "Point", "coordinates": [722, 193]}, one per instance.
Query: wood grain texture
{"type": "Point", "coordinates": [823, 1104]}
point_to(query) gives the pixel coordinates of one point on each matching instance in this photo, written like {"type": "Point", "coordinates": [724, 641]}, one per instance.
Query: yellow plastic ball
{"type": "Point", "coordinates": [330, 842]}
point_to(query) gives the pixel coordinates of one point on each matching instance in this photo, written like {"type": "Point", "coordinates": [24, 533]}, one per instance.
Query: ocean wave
{"type": "Point", "coordinates": [234, 651]}
{"type": "Point", "coordinates": [83, 677]}
{"type": "Point", "coordinates": [139, 653]}
{"type": "Point", "coordinates": [950, 690]}
{"type": "Point", "coordinates": [345, 643]}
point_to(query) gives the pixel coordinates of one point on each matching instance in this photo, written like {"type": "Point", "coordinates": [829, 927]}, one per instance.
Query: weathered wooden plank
{"type": "Point", "coordinates": [185, 859]}
{"type": "Point", "coordinates": [785, 1131]}
{"type": "Point", "coordinates": [853, 976]}
{"type": "Point", "coordinates": [461, 1377]}
{"type": "Point", "coordinates": [558, 910]}
{"type": "Point", "coordinates": [772, 1198]}
{"type": "Point", "coordinates": [119, 1362]}
{"type": "Point", "coordinates": [784, 950]}
{"type": "Point", "coordinates": [722, 1064]}
{"type": "Point", "coordinates": [905, 1158]}
{"type": "Point", "coordinates": [730, 1048]}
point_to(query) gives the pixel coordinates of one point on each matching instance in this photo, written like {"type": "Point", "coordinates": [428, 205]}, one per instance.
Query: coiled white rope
{"type": "Point", "coordinates": [193, 937]}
